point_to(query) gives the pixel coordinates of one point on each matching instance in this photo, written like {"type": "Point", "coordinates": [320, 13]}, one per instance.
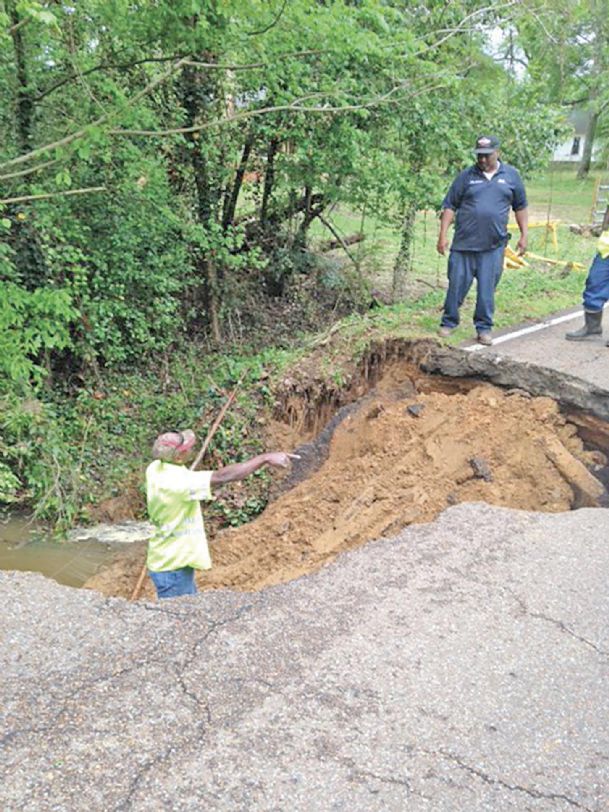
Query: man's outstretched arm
{"type": "Point", "coordinates": [240, 470]}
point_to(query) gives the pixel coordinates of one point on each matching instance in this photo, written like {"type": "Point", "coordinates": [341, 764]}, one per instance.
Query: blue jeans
{"type": "Point", "coordinates": [173, 583]}
{"type": "Point", "coordinates": [596, 292]}
{"type": "Point", "coordinates": [463, 267]}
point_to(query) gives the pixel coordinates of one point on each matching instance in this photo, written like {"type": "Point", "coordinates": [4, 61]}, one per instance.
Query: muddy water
{"type": "Point", "coordinates": [29, 548]}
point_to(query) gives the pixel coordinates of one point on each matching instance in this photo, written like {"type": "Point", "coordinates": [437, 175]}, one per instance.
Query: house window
{"type": "Point", "coordinates": [575, 145]}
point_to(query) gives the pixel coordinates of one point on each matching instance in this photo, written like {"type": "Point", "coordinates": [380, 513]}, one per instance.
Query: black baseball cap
{"type": "Point", "coordinates": [486, 144]}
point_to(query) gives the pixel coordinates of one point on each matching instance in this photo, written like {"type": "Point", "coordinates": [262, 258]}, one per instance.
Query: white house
{"type": "Point", "coordinates": [571, 150]}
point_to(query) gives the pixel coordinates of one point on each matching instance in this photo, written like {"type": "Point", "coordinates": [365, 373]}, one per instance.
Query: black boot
{"type": "Point", "coordinates": [592, 326]}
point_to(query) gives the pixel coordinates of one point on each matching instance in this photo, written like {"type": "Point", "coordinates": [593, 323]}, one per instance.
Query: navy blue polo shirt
{"type": "Point", "coordinates": [483, 206]}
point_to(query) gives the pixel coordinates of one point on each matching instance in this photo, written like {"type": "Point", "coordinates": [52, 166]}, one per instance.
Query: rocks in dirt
{"type": "Point", "coordinates": [374, 412]}
{"type": "Point", "coordinates": [587, 490]}
{"type": "Point", "coordinates": [593, 431]}
{"type": "Point", "coordinates": [415, 409]}
{"type": "Point", "coordinates": [481, 469]}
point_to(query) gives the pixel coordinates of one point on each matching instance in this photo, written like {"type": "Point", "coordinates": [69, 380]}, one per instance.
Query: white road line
{"type": "Point", "coordinates": [526, 330]}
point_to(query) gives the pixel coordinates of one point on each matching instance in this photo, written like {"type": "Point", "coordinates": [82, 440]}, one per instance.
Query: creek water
{"type": "Point", "coordinates": [28, 547]}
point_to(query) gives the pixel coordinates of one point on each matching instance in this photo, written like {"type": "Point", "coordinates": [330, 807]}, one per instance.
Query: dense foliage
{"type": "Point", "coordinates": [565, 47]}
{"type": "Point", "coordinates": [161, 165]}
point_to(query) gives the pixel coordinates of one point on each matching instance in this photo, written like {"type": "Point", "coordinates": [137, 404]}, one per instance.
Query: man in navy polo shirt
{"type": "Point", "coordinates": [481, 198]}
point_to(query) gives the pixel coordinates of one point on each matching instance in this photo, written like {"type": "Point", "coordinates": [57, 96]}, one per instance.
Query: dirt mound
{"type": "Point", "coordinates": [408, 452]}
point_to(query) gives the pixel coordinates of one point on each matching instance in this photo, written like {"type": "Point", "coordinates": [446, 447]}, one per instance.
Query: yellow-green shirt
{"type": "Point", "coordinates": [173, 493]}
{"type": "Point", "coordinates": [602, 245]}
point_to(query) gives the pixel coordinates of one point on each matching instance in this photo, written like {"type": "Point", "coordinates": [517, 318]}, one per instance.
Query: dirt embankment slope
{"type": "Point", "coordinates": [406, 453]}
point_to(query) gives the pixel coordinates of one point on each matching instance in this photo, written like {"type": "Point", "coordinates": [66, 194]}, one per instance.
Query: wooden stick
{"type": "Point", "coordinates": [140, 582]}
{"type": "Point", "coordinates": [216, 425]}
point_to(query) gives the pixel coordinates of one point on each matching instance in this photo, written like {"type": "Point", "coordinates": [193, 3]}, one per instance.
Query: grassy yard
{"type": "Point", "coordinates": [530, 293]}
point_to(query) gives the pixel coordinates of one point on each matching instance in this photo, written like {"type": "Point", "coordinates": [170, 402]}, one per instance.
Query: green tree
{"type": "Point", "coordinates": [566, 47]}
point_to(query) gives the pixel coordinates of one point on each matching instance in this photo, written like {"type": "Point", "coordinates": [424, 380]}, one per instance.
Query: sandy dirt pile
{"type": "Point", "coordinates": [403, 457]}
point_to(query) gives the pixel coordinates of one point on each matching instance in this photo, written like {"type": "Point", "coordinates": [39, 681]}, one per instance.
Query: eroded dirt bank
{"type": "Point", "coordinates": [403, 454]}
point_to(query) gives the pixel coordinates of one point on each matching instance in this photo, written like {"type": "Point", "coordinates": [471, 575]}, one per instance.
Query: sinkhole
{"type": "Point", "coordinates": [415, 429]}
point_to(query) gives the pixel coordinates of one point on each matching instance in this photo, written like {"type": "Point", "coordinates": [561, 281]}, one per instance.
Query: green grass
{"type": "Point", "coordinates": [558, 193]}
{"type": "Point", "coordinates": [531, 293]}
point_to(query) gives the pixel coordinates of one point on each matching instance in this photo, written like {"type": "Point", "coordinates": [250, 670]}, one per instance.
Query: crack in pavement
{"type": "Point", "coordinates": [181, 668]}
{"type": "Point", "coordinates": [254, 680]}
{"type": "Point", "coordinates": [530, 791]}
{"type": "Point", "coordinates": [203, 707]}
{"type": "Point", "coordinates": [12, 734]}
{"type": "Point", "coordinates": [359, 773]}
{"type": "Point", "coordinates": [199, 703]}
{"type": "Point", "coordinates": [213, 627]}
{"type": "Point", "coordinates": [153, 607]}
{"type": "Point", "coordinates": [125, 803]}
{"type": "Point", "coordinates": [63, 702]}
{"type": "Point", "coordinates": [555, 622]}
{"type": "Point", "coordinates": [71, 696]}
{"type": "Point", "coordinates": [564, 628]}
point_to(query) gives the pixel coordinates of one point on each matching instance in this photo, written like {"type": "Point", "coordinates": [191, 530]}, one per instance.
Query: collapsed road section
{"type": "Point", "coordinates": [417, 428]}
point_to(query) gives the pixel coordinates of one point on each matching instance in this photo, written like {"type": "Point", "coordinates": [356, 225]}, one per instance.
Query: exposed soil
{"type": "Point", "coordinates": [402, 454]}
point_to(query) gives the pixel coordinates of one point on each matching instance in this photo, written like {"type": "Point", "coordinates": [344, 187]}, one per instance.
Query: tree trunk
{"type": "Point", "coordinates": [301, 235]}
{"type": "Point", "coordinates": [403, 262]}
{"type": "Point", "coordinates": [25, 105]}
{"type": "Point", "coordinates": [195, 88]}
{"type": "Point", "coordinates": [23, 237]}
{"type": "Point", "coordinates": [586, 160]}
{"type": "Point", "coordinates": [269, 180]}
{"type": "Point", "coordinates": [230, 203]}
{"type": "Point", "coordinates": [213, 299]}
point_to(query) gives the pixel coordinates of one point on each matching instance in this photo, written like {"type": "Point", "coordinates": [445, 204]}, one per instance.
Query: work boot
{"type": "Point", "coordinates": [486, 339]}
{"type": "Point", "coordinates": [591, 327]}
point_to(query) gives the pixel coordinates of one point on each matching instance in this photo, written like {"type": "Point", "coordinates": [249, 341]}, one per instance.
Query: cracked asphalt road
{"type": "Point", "coordinates": [586, 360]}
{"type": "Point", "coordinates": [459, 666]}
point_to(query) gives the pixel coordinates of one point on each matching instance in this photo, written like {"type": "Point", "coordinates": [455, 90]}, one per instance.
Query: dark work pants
{"type": "Point", "coordinates": [463, 267]}
{"type": "Point", "coordinates": [596, 292]}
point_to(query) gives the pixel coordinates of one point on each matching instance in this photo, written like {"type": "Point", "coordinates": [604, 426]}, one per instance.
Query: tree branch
{"type": "Point", "coordinates": [343, 244]}
{"type": "Point", "coordinates": [14, 28]}
{"type": "Point", "coordinates": [134, 63]}
{"type": "Point", "coordinates": [62, 142]}
{"type": "Point", "coordinates": [292, 107]}
{"type": "Point", "coordinates": [460, 28]}
{"type": "Point", "coordinates": [270, 25]}
{"type": "Point", "coordinates": [101, 66]}
{"type": "Point", "coordinates": [29, 171]}
{"type": "Point", "coordinates": [70, 192]}
{"type": "Point", "coordinates": [230, 201]}
{"type": "Point", "coordinates": [254, 65]}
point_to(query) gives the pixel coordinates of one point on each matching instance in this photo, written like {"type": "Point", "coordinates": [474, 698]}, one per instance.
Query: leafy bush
{"type": "Point", "coordinates": [9, 484]}
{"type": "Point", "coordinates": [32, 323]}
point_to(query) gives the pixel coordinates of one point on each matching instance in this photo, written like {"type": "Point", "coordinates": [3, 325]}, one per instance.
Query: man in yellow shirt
{"type": "Point", "coordinates": [178, 546]}
{"type": "Point", "coordinates": [596, 292]}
